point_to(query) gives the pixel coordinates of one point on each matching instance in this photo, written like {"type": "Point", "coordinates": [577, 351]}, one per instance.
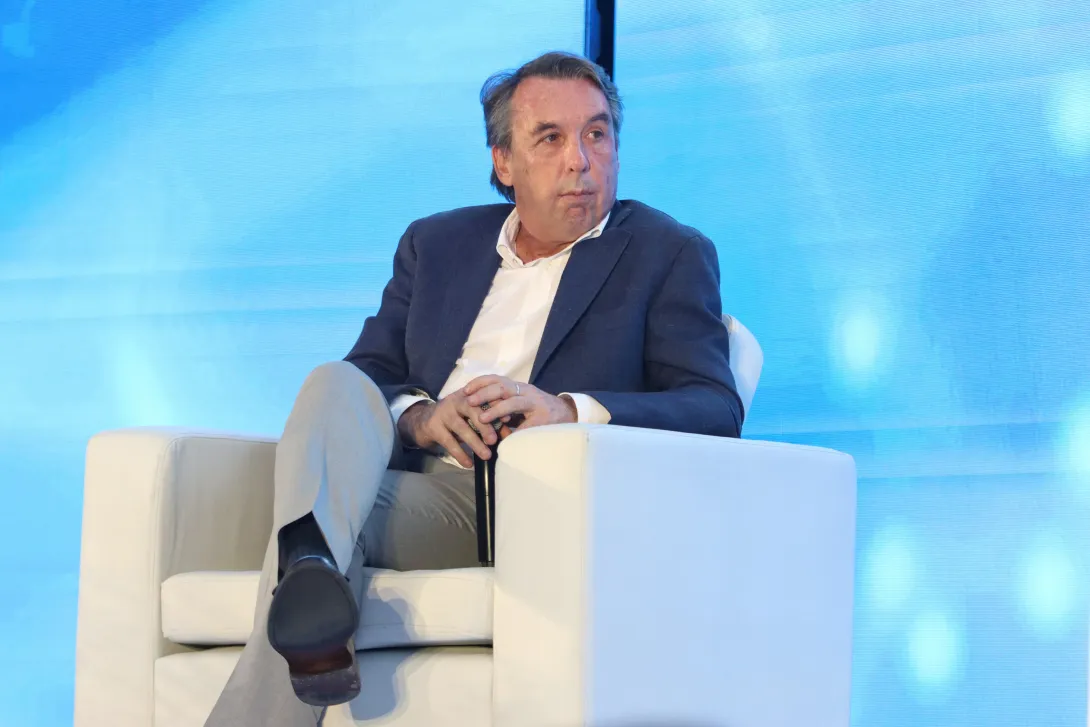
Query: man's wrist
{"type": "Point", "coordinates": [588, 410]}
{"type": "Point", "coordinates": [407, 423]}
{"type": "Point", "coordinates": [573, 410]}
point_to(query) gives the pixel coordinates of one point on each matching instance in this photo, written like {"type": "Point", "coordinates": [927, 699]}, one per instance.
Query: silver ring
{"type": "Point", "coordinates": [516, 388]}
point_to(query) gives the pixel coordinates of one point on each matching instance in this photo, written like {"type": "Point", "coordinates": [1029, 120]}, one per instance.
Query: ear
{"type": "Point", "coordinates": [501, 162]}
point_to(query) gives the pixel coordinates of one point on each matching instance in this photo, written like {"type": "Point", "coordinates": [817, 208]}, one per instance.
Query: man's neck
{"type": "Point", "coordinates": [530, 248]}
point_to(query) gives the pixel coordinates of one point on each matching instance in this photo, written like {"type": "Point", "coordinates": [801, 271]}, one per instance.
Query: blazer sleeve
{"type": "Point", "coordinates": [689, 384]}
{"type": "Point", "coordinates": [380, 349]}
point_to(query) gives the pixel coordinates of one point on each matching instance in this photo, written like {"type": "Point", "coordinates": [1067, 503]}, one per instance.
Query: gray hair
{"type": "Point", "coordinates": [499, 89]}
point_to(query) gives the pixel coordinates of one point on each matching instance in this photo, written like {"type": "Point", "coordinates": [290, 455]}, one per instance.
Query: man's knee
{"type": "Point", "coordinates": [335, 377]}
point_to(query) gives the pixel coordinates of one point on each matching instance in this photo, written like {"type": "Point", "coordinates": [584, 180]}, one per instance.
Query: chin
{"type": "Point", "coordinates": [581, 208]}
{"type": "Point", "coordinates": [579, 220]}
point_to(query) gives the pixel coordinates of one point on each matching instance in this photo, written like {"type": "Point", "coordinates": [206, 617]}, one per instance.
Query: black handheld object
{"type": "Point", "coordinates": [484, 477]}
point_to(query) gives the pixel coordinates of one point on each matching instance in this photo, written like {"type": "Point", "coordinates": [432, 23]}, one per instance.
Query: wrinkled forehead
{"type": "Point", "coordinates": [564, 103]}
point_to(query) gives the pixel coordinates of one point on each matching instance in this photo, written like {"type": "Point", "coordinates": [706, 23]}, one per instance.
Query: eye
{"type": "Point", "coordinates": [550, 138]}
{"type": "Point", "coordinates": [597, 134]}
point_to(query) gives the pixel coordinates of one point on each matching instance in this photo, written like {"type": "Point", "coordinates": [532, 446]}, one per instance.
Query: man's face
{"type": "Point", "coordinates": [563, 159]}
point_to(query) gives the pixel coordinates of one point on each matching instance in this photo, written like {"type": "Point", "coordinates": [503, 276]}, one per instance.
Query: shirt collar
{"type": "Point", "coordinates": [506, 244]}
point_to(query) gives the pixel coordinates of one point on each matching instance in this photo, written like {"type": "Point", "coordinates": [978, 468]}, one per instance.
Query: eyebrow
{"type": "Point", "coordinates": [544, 126]}
{"type": "Point", "coordinates": [603, 117]}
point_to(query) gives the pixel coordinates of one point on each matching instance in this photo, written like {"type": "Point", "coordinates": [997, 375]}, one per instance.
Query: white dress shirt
{"type": "Point", "coordinates": [506, 335]}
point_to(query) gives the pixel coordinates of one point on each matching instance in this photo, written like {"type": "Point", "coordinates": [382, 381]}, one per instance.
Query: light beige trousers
{"type": "Point", "coordinates": [332, 461]}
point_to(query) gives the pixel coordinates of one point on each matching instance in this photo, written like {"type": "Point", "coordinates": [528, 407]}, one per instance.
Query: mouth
{"type": "Point", "coordinates": [579, 193]}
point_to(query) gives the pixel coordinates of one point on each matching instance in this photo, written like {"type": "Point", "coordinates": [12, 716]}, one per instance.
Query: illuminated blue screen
{"type": "Point", "coordinates": [900, 194]}
{"type": "Point", "coordinates": [199, 202]}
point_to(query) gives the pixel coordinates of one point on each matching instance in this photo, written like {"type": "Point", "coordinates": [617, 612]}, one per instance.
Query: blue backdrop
{"type": "Point", "coordinates": [199, 200]}
{"type": "Point", "coordinates": [900, 194]}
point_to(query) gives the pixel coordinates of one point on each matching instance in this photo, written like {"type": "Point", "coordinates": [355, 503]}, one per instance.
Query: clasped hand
{"type": "Point", "coordinates": [463, 423]}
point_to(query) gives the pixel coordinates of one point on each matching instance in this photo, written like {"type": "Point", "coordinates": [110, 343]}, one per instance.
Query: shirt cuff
{"type": "Point", "coordinates": [588, 410]}
{"type": "Point", "coordinates": [403, 402]}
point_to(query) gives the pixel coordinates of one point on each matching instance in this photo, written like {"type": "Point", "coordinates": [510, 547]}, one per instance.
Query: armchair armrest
{"type": "Point", "coordinates": [157, 502]}
{"type": "Point", "coordinates": [645, 575]}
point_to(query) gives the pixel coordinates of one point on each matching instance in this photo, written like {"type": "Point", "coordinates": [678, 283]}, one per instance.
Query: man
{"type": "Point", "coordinates": [567, 306]}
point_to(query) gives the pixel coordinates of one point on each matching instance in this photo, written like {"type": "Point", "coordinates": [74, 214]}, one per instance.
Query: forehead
{"type": "Point", "coordinates": [557, 101]}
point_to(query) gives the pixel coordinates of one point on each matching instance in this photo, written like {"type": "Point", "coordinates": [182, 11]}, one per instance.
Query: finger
{"type": "Point", "coordinates": [489, 393]}
{"type": "Point", "coordinates": [466, 433]}
{"type": "Point", "coordinates": [448, 442]}
{"type": "Point", "coordinates": [486, 432]}
{"type": "Point", "coordinates": [461, 429]}
{"type": "Point", "coordinates": [506, 407]}
{"type": "Point", "coordinates": [471, 414]}
{"type": "Point", "coordinates": [480, 382]}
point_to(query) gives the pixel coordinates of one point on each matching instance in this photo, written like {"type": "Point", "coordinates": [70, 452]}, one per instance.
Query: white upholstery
{"type": "Point", "coordinates": [422, 608]}
{"type": "Point", "coordinates": [209, 608]}
{"type": "Point", "coordinates": [456, 680]}
{"type": "Point", "coordinates": [433, 687]}
{"type": "Point", "coordinates": [417, 608]}
{"type": "Point", "coordinates": [157, 502]}
{"type": "Point", "coordinates": [640, 576]}
{"type": "Point", "coordinates": [690, 579]}
{"type": "Point", "coordinates": [188, 685]}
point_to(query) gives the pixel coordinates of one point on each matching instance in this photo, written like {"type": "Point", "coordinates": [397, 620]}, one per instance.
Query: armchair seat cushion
{"type": "Point", "coordinates": [412, 608]}
{"type": "Point", "coordinates": [447, 686]}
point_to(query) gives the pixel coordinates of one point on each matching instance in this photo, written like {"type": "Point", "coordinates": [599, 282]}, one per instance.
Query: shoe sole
{"type": "Point", "coordinates": [330, 688]}
{"type": "Point", "coordinates": [312, 624]}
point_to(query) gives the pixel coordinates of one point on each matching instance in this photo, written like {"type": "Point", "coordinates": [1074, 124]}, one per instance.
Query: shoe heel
{"type": "Point", "coordinates": [336, 685]}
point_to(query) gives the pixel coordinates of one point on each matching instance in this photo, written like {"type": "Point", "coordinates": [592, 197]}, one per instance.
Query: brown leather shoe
{"type": "Point", "coordinates": [312, 623]}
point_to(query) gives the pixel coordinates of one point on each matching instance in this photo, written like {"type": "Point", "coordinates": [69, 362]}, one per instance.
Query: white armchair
{"type": "Point", "coordinates": [642, 577]}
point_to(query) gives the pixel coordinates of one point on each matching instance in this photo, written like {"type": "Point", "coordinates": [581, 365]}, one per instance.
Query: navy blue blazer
{"type": "Point", "coordinates": [636, 322]}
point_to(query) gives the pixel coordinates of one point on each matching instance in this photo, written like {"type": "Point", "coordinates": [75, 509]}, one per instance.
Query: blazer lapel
{"type": "Point", "coordinates": [591, 263]}
{"type": "Point", "coordinates": [473, 269]}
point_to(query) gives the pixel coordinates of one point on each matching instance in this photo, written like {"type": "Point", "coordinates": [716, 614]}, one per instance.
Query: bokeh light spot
{"type": "Point", "coordinates": [1071, 114]}
{"type": "Point", "coordinates": [857, 340]}
{"type": "Point", "coordinates": [1047, 587]}
{"type": "Point", "coordinates": [755, 33]}
{"type": "Point", "coordinates": [935, 651]}
{"type": "Point", "coordinates": [1076, 441]}
{"type": "Point", "coordinates": [888, 571]}
{"type": "Point", "coordinates": [141, 396]}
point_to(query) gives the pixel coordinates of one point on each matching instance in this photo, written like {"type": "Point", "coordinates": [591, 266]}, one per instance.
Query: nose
{"type": "Point", "coordinates": [578, 160]}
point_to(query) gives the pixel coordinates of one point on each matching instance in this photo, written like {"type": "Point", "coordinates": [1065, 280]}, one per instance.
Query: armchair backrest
{"type": "Point", "coordinates": [746, 359]}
